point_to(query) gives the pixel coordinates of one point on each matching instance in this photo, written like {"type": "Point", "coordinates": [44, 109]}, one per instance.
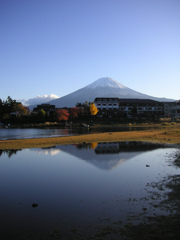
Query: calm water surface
{"type": "Point", "coordinates": [79, 186]}
{"type": "Point", "coordinates": [22, 133]}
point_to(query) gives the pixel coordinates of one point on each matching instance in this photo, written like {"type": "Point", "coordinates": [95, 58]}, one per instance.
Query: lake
{"type": "Point", "coordinates": [78, 189]}
{"type": "Point", "coordinates": [23, 133]}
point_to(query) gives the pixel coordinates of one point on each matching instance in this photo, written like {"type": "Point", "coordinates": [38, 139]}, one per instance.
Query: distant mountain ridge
{"type": "Point", "coordinates": [103, 87]}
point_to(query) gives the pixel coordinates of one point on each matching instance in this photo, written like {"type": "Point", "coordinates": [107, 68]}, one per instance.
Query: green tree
{"type": "Point", "coordinates": [8, 106]}
{"type": "Point", "coordinates": [41, 115]}
{"type": "Point", "coordinates": [1, 108]}
{"type": "Point", "coordinates": [6, 118]}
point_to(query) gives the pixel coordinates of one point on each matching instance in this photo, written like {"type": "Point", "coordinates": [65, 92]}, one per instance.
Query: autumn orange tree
{"type": "Point", "coordinates": [93, 145]}
{"type": "Point", "coordinates": [93, 109]}
{"type": "Point", "coordinates": [21, 109]}
{"type": "Point", "coordinates": [62, 115]}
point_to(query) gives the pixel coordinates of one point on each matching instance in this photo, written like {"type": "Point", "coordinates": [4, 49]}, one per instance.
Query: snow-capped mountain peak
{"type": "Point", "coordinates": [103, 87]}
{"type": "Point", "coordinates": [105, 82]}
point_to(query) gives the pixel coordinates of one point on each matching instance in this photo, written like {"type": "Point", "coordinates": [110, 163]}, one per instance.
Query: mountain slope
{"type": "Point", "coordinates": [103, 87]}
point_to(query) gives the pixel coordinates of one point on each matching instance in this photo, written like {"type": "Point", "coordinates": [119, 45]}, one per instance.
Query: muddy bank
{"type": "Point", "coordinates": [160, 227]}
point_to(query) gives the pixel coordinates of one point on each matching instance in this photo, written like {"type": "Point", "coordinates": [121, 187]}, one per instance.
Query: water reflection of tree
{"type": "Point", "coordinates": [87, 145]}
{"type": "Point", "coordinates": [83, 146]}
{"type": "Point", "coordinates": [9, 152]}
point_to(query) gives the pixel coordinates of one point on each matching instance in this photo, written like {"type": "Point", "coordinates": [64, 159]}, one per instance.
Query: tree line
{"type": "Point", "coordinates": [11, 107]}
{"type": "Point", "coordinates": [12, 111]}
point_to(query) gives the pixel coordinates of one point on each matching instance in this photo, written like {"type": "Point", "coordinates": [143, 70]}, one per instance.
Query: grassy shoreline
{"type": "Point", "coordinates": [170, 134]}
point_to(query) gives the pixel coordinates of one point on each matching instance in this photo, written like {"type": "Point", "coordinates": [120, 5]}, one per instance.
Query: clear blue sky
{"type": "Point", "coordinates": [59, 46]}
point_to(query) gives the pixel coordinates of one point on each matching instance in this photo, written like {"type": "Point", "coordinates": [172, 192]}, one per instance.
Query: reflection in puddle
{"type": "Point", "coordinates": [81, 187]}
{"type": "Point", "coordinates": [109, 155]}
{"type": "Point", "coordinates": [9, 152]}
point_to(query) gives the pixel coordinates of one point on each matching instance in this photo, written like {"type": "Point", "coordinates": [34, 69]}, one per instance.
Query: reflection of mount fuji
{"type": "Point", "coordinates": [107, 156]}
{"type": "Point", "coordinates": [47, 150]}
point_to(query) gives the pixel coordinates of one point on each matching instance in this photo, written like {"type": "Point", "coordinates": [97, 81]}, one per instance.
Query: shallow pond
{"type": "Point", "coordinates": [80, 188]}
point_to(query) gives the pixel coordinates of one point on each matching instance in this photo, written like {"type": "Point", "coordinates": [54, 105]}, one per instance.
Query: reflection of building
{"type": "Point", "coordinates": [126, 146]}
{"type": "Point", "coordinates": [107, 147]}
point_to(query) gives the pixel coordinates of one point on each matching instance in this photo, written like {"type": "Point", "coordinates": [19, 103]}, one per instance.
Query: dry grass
{"type": "Point", "coordinates": [168, 135]}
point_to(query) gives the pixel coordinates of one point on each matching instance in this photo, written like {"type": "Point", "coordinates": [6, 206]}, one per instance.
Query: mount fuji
{"type": "Point", "coordinates": [103, 87]}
